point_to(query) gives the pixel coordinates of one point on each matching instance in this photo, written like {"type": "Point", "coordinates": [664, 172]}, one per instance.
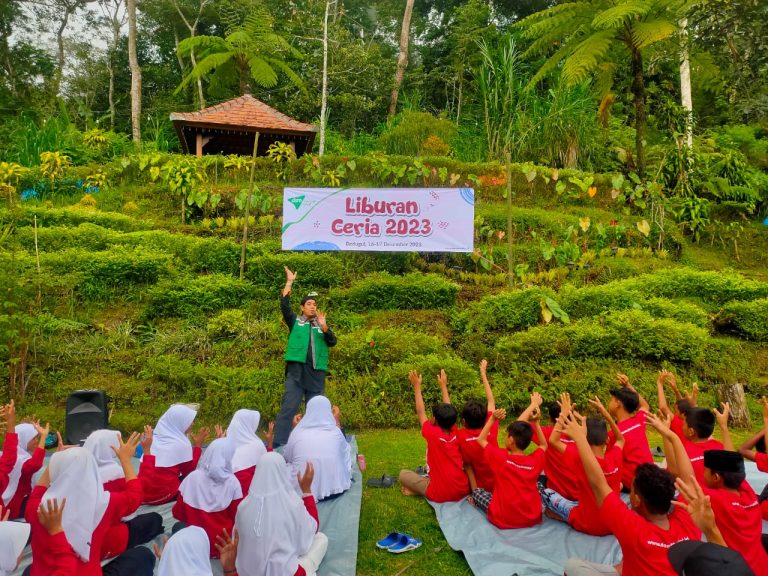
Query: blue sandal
{"type": "Point", "coordinates": [390, 540]}
{"type": "Point", "coordinates": [405, 543]}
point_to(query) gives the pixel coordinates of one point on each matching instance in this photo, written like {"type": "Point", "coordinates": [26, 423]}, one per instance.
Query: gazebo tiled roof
{"type": "Point", "coordinates": [245, 111]}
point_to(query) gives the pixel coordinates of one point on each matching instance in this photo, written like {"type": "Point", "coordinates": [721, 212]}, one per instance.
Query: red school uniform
{"type": "Point", "coordinates": [636, 450]}
{"type": "Point", "coordinates": [24, 489]}
{"type": "Point", "coordinates": [695, 451]}
{"type": "Point", "coordinates": [116, 485]}
{"type": "Point", "coordinates": [8, 459]}
{"type": "Point", "coordinates": [212, 522]}
{"type": "Point", "coordinates": [44, 563]}
{"type": "Point", "coordinates": [761, 460]}
{"type": "Point", "coordinates": [161, 485]}
{"type": "Point", "coordinates": [473, 454]}
{"type": "Point", "coordinates": [677, 426]}
{"type": "Point", "coordinates": [63, 558]}
{"type": "Point", "coordinates": [448, 482]}
{"type": "Point", "coordinates": [586, 516]}
{"type": "Point", "coordinates": [740, 522]}
{"type": "Point", "coordinates": [561, 477]}
{"type": "Point", "coordinates": [645, 545]}
{"type": "Point", "coordinates": [516, 502]}
{"type": "Point", "coordinates": [311, 506]}
{"type": "Point", "coordinates": [245, 477]}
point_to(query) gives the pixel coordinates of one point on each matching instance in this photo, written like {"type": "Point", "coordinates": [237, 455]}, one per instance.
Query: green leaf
{"type": "Point", "coordinates": [557, 311]}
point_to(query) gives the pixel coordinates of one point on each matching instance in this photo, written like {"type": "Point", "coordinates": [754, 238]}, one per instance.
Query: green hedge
{"type": "Point", "coordinates": [712, 287]}
{"type": "Point", "coordinates": [382, 291]}
{"type": "Point", "coordinates": [623, 334]}
{"type": "Point", "coordinates": [71, 217]}
{"type": "Point", "coordinates": [509, 311]}
{"type": "Point", "coordinates": [194, 297]}
{"type": "Point", "coordinates": [747, 319]}
{"type": "Point", "coordinates": [365, 351]}
{"type": "Point", "coordinates": [116, 267]}
{"type": "Point", "coordinates": [314, 270]}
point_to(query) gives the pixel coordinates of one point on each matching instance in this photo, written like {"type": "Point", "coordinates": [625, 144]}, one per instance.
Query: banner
{"type": "Point", "coordinates": [379, 219]}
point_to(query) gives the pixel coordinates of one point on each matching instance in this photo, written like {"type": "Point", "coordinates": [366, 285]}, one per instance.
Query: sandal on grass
{"type": "Point", "coordinates": [405, 543]}
{"type": "Point", "coordinates": [389, 540]}
{"type": "Point", "coordinates": [384, 481]}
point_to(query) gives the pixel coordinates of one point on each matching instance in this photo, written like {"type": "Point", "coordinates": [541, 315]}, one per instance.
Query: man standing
{"type": "Point", "coordinates": [306, 358]}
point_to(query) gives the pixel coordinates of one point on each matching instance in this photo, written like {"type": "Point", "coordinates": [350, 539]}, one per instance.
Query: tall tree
{"type": "Point", "coordinates": [585, 36]}
{"type": "Point", "coordinates": [402, 58]}
{"type": "Point", "coordinates": [133, 61]}
{"type": "Point", "coordinates": [115, 15]}
{"type": "Point", "coordinates": [190, 13]}
{"type": "Point", "coordinates": [324, 95]}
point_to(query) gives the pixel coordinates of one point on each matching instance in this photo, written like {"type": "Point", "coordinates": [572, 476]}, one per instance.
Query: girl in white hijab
{"type": "Point", "coordinates": [29, 459]}
{"type": "Point", "coordinates": [248, 446]}
{"type": "Point", "coordinates": [278, 532]}
{"type": "Point", "coordinates": [317, 438]}
{"type": "Point", "coordinates": [13, 539]}
{"type": "Point", "coordinates": [101, 444]}
{"type": "Point", "coordinates": [186, 554]}
{"type": "Point", "coordinates": [209, 496]}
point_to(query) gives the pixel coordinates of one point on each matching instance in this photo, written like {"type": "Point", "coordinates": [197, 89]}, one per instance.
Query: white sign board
{"type": "Point", "coordinates": [379, 219]}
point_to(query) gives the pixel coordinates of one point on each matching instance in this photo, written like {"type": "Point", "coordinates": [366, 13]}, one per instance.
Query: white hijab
{"type": "Point", "coordinates": [25, 432]}
{"type": "Point", "coordinates": [13, 539]}
{"type": "Point", "coordinates": [317, 439]}
{"type": "Point", "coordinates": [213, 486]}
{"type": "Point", "coordinates": [186, 554]}
{"type": "Point", "coordinates": [170, 445]}
{"type": "Point", "coordinates": [75, 476]}
{"type": "Point", "coordinates": [100, 443]}
{"type": "Point", "coordinates": [242, 432]}
{"type": "Point", "coordinates": [273, 523]}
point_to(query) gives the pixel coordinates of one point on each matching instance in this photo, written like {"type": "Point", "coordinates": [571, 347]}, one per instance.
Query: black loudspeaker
{"type": "Point", "coordinates": [87, 411]}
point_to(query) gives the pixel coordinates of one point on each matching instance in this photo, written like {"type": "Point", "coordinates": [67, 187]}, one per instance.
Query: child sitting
{"type": "Point", "coordinates": [447, 481]}
{"type": "Point", "coordinates": [697, 432]}
{"type": "Point", "coordinates": [623, 408]}
{"type": "Point", "coordinates": [560, 477]}
{"type": "Point", "coordinates": [248, 446]}
{"type": "Point", "coordinates": [755, 449]}
{"type": "Point", "coordinates": [515, 501]}
{"type": "Point", "coordinates": [29, 459]}
{"type": "Point", "coordinates": [584, 515]}
{"type": "Point", "coordinates": [10, 445]}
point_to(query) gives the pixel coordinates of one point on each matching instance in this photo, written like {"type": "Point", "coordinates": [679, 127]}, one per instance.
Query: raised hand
{"type": "Point", "coordinates": [227, 547]}
{"type": "Point", "coordinates": [722, 416]}
{"type": "Point", "coordinates": [289, 276]}
{"type": "Point", "coordinates": [500, 414]}
{"type": "Point", "coordinates": [765, 408]}
{"type": "Point", "coordinates": [623, 380]}
{"type": "Point", "coordinates": [697, 504]}
{"type": "Point", "coordinates": [270, 436]}
{"type": "Point", "coordinates": [442, 379]}
{"type": "Point", "coordinates": [43, 432]}
{"type": "Point", "coordinates": [660, 424]}
{"type": "Point", "coordinates": [535, 415]}
{"type": "Point", "coordinates": [219, 431]}
{"type": "Point", "coordinates": [146, 440]}
{"type": "Point", "coordinates": [321, 320]}
{"type": "Point", "coordinates": [565, 403]}
{"type": "Point", "coordinates": [415, 378]}
{"type": "Point", "coordinates": [305, 480]}
{"type": "Point", "coordinates": [536, 400]}
{"type": "Point", "coordinates": [61, 446]}
{"type": "Point", "coordinates": [50, 513]}
{"type": "Point", "coordinates": [200, 436]}
{"type": "Point", "coordinates": [10, 416]}
{"type": "Point", "coordinates": [158, 550]}
{"type": "Point", "coordinates": [483, 366]}
{"type": "Point", "coordinates": [126, 450]}
{"type": "Point", "coordinates": [597, 403]}
{"type": "Point", "coordinates": [336, 412]}
{"type": "Point", "coordinates": [575, 425]}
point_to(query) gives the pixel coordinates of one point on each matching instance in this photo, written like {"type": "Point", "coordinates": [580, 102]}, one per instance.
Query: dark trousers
{"type": "Point", "coordinates": [133, 562]}
{"type": "Point", "coordinates": [144, 528]}
{"type": "Point", "coordinates": [301, 383]}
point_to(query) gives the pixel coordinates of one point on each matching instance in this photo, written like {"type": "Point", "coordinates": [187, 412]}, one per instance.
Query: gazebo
{"type": "Point", "coordinates": [229, 128]}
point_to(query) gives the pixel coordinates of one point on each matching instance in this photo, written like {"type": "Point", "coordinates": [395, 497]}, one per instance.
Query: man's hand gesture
{"type": "Point", "coordinates": [290, 276]}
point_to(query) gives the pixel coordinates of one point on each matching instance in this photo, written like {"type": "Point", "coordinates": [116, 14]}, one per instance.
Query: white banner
{"type": "Point", "coordinates": [379, 219]}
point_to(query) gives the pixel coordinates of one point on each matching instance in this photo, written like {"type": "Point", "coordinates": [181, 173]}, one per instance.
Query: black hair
{"type": "Point", "coordinates": [554, 411]}
{"type": "Point", "coordinates": [760, 446]}
{"type": "Point", "coordinates": [597, 431]}
{"type": "Point", "coordinates": [474, 413]}
{"type": "Point", "coordinates": [683, 405]}
{"type": "Point", "coordinates": [628, 398]}
{"type": "Point", "coordinates": [521, 432]}
{"type": "Point", "coordinates": [702, 420]}
{"type": "Point", "coordinates": [655, 486]}
{"type": "Point", "coordinates": [445, 415]}
{"type": "Point", "coordinates": [732, 479]}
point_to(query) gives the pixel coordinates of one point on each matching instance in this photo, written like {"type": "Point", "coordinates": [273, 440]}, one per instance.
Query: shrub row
{"type": "Point", "coordinates": [71, 217]}
{"type": "Point", "coordinates": [747, 319]}
{"type": "Point", "coordinates": [382, 291]}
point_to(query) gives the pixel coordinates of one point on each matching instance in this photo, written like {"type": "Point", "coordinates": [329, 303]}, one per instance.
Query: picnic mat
{"type": "Point", "coordinates": [339, 520]}
{"type": "Point", "coordinates": [541, 550]}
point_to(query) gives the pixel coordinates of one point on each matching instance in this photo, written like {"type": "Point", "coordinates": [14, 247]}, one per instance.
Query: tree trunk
{"type": "Point", "coordinates": [112, 54]}
{"type": "Point", "coordinates": [60, 52]}
{"type": "Point", "coordinates": [243, 248]}
{"type": "Point", "coordinates": [685, 82]}
{"type": "Point", "coordinates": [324, 97]}
{"type": "Point", "coordinates": [736, 398]}
{"type": "Point", "coordinates": [200, 98]}
{"type": "Point", "coordinates": [402, 59]}
{"type": "Point", "coordinates": [133, 61]}
{"type": "Point", "coordinates": [638, 92]}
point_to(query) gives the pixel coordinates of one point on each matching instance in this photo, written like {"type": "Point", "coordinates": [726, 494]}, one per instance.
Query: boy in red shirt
{"type": "Point", "coordinates": [646, 530]}
{"type": "Point", "coordinates": [447, 481]}
{"type": "Point", "coordinates": [584, 514]}
{"type": "Point", "coordinates": [683, 401]}
{"type": "Point", "coordinates": [559, 477]}
{"type": "Point", "coordinates": [697, 432]}
{"type": "Point", "coordinates": [515, 501]}
{"type": "Point", "coordinates": [755, 449]}
{"type": "Point", "coordinates": [623, 407]}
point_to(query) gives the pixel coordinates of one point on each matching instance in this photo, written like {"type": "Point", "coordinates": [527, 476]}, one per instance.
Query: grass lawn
{"type": "Point", "coordinates": [386, 510]}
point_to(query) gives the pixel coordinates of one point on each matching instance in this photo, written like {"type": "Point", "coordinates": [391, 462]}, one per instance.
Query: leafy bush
{"type": "Point", "coordinates": [365, 351]}
{"type": "Point", "coordinates": [382, 291]}
{"type": "Point", "coordinates": [747, 319]}
{"type": "Point", "coordinates": [72, 217]}
{"type": "Point", "coordinates": [202, 295]}
{"type": "Point", "coordinates": [711, 287]}
{"type": "Point", "coordinates": [410, 131]}
{"type": "Point", "coordinates": [314, 270]}
{"type": "Point", "coordinates": [509, 311]}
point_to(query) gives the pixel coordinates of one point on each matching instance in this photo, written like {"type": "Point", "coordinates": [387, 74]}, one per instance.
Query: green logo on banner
{"type": "Point", "coordinates": [296, 201]}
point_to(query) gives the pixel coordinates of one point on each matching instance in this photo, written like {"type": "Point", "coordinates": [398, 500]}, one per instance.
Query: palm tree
{"type": "Point", "coordinates": [587, 37]}
{"type": "Point", "coordinates": [252, 52]}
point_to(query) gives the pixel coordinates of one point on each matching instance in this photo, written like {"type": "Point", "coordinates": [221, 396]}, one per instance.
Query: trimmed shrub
{"type": "Point", "coordinates": [747, 319]}
{"type": "Point", "coordinates": [509, 311]}
{"type": "Point", "coordinates": [72, 217]}
{"type": "Point", "coordinates": [314, 270]}
{"type": "Point", "coordinates": [383, 291]}
{"type": "Point", "coordinates": [368, 350]}
{"type": "Point", "coordinates": [115, 267]}
{"type": "Point", "coordinates": [712, 287]}
{"type": "Point", "coordinates": [199, 296]}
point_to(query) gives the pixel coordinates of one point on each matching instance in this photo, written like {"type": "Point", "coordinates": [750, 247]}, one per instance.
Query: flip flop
{"type": "Point", "coordinates": [405, 543]}
{"type": "Point", "coordinates": [384, 482]}
{"type": "Point", "coordinates": [390, 540]}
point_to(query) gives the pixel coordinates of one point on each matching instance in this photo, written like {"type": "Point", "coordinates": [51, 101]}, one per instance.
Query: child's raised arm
{"type": "Point", "coordinates": [557, 432]}
{"type": "Point", "coordinates": [534, 405]}
{"type": "Point", "coordinates": [442, 381]}
{"type": "Point", "coordinates": [421, 412]}
{"type": "Point", "coordinates": [682, 462]}
{"type": "Point", "coordinates": [624, 381]}
{"type": "Point", "coordinates": [535, 417]}
{"type": "Point", "coordinates": [576, 428]}
{"type": "Point", "coordinates": [662, 397]}
{"type": "Point", "coordinates": [748, 448]}
{"type": "Point", "coordinates": [722, 422]}
{"type": "Point", "coordinates": [617, 435]}
{"type": "Point", "coordinates": [489, 399]}
{"type": "Point", "coordinates": [499, 414]}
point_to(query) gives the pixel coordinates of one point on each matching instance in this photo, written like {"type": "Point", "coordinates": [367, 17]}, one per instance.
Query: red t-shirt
{"type": "Point", "coordinates": [516, 502]}
{"type": "Point", "coordinates": [473, 454]}
{"type": "Point", "coordinates": [24, 489]}
{"type": "Point", "coordinates": [161, 485]}
{"type": "Point", "coordinates": [8, 459]}
{"type": "Point", "coordinates": [636, 450]}
{"type": "Point", "coordinates": [761, 460]}
{"type": "Point", "coordinates": [245, 477]}
{"type": "Point", "coordinates": [645, 545]}
{"type": "Point", "coordinates": [740, 522]}
{"type": "Point", "coordinates": [447, 480]}
{"type": "Point", "coordinates": [586, 516]}
{"type": "Point", "coordinates": [44, 563]}
{"type": "Point", "coordinates": [212, 522]}
{"type": "Point", "coordinates": [677, 426]}
{"type": "Point", "coordinates": [560, 477]}
{"type": "Point", "coordinates": [695, 451]}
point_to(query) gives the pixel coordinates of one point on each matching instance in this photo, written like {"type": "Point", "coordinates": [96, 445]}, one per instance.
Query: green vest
{"type": "Point", "coordinates": [298, 342]}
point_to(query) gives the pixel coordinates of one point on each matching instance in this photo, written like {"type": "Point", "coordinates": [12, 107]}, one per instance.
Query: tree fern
{"type": "Point", "coordinates": [586, 56]}
{"type": "Point", "coordinates": [616, 16]}
{"type": "Point", "coordinates": [647, 33]}
{"type": "Point", "coordinates": [205, 67]}
{"type": "Point", "coordinates": [262, 72]}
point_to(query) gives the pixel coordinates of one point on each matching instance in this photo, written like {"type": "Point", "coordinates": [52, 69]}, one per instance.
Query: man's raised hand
{"type": "Point", "coordinates": [290, 276]}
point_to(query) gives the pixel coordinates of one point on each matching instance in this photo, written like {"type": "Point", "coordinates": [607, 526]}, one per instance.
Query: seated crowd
{"type": "Point", "coordinates": [235, 500]}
